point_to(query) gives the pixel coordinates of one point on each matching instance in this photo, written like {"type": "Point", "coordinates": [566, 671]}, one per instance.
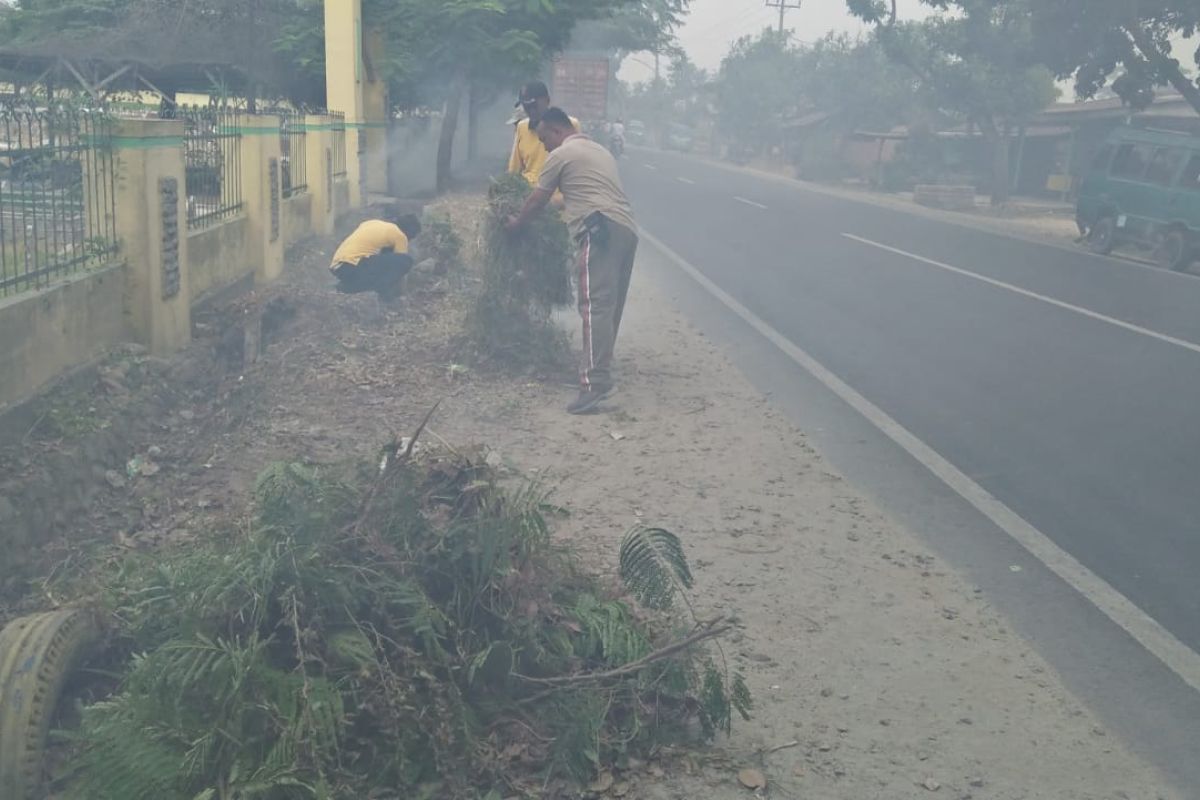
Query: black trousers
{"type": "Point", "coordinates": [382, 273]}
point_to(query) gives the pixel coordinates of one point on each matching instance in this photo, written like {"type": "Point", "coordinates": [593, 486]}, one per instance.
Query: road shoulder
{"type": "Point", "coordinates": [890, 671]}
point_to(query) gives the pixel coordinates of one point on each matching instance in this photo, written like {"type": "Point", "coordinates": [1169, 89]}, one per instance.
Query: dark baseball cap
{"type": "Point", "coordinates": [534, 90]}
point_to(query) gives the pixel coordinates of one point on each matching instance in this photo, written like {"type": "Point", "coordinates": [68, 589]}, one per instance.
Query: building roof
{"type": "Point", "coordinates": [1166, 104]}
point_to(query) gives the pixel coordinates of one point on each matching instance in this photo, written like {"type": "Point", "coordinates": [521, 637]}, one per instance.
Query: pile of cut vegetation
{"type": "Point", "coordinates": [405, 630]}
{"type": "Point", "coordinates": [525, 276]}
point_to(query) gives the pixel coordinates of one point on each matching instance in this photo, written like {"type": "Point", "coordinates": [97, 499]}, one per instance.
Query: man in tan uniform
{"type": "Point", "coordinates": [602, 221]}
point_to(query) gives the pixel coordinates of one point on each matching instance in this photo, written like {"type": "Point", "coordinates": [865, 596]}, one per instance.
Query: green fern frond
{"type": "Point", "coordinates": [611, 636]}
{"type": "Point", "coordinates": [654, 567]}
{"type": "Point", "coordinates": [739, 695]}
{"type": "Point", "coordinates": [716, 710]}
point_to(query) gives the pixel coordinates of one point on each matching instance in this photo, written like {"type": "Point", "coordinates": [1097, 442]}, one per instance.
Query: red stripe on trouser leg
{"type": "Point", "coordinates": [585, 311]}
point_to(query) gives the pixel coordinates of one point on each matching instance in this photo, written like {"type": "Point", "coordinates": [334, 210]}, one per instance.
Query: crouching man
{"type": "Point", "coordinates": [375, 258]}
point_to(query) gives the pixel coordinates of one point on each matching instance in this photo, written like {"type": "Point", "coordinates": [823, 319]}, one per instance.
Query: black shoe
{"type": "Point", "coordinates": [589, 399]}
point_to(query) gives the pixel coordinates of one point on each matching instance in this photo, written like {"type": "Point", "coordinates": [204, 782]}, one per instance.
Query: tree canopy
{"type": "Point", "coordinates": [979, 59]}
{"type": "Point", "coordinates": [1125, 44]}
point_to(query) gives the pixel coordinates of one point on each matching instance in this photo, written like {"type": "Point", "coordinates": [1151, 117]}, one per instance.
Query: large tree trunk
{"type": "Point", "coordinates": [1167, 66]}
{"type": "Point", "coordinates": [998, 143]}
{"type": "Point", "coordinates": [473, 123]}
{"type": "Point", "coordinates": [445, 155]}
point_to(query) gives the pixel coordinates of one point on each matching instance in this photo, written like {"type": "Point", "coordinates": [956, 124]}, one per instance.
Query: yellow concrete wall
{"type": "Point", "coordinates": [219, 255]}
{"type": "Point", "coordinates": [148, 151]}
{"type": "Point", "coordinates": [342, 197]}
{"type": "Point", "coordinates": [296, 218]}
{"type": "Point", "coordinates": [345, 75]}
{"type": "Point", "coordinates": [51, 331]}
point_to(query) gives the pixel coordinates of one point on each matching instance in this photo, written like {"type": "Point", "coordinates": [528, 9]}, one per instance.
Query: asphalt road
{"type": "Point", "coordinates": [1064, 384]}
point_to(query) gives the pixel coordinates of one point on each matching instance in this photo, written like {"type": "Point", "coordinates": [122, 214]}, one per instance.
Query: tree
{"type": "Point", "coordinates": [226, 36]}
{"type": "Point", "coordinates": [855, 81]}
{"type": "Point", "coordinates": [1091, 40]}
{"type": "Point", "coordinates": [456, 47]}
{"type": "Point", "coordinates": [977, 58]}
{"type": "Point", "coordinates": [759, 85]}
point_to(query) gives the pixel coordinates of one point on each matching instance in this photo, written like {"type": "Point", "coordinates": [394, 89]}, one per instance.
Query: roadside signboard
{"type": "Point", "coordinates": [581, 87]}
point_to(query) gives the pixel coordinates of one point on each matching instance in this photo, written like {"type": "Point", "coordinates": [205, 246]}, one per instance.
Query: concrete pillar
{"type": "Point", "coordinates": [262, 192]}
{"type": "Point", "coordinates": [151, 226]}
{"type": "Point", "coordinates": [375, 118]}
{"type": "Point", "coordinates": [344, 77]}
{"type": "Point", "coordinates": [319, 156]}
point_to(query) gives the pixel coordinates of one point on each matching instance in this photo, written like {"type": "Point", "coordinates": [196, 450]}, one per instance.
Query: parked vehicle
{"type": "Point", "coordinates": [680, 137]}
{"type": "Point", "coordinates": [635, 132]}
{"type": "Point", "coordinates": [1144, 189]}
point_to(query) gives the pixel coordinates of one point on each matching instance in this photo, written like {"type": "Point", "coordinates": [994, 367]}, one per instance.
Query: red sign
{"type": "Point", "coordinates": [581, 87]}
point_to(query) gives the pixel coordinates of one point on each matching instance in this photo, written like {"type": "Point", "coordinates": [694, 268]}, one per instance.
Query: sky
{"type": "Point", "coordinates": [713, 25]}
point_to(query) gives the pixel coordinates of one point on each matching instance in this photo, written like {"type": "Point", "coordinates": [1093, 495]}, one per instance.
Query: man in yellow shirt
{"type": "Point", "coordinates": [375, 257]}
{"type": "Point", "coordinates": [528, 153]}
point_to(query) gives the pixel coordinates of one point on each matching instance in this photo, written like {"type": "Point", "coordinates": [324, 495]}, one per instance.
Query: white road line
{"type": "Point", "coordinates": [750, 202]}
{"type": "Point", "coordinates": [688, 181]}
{"type": "Point", "coordinates": [1086, 312]}
{"type": "Point", "coordinates": [650, 167]}
{"type": "Point", "coordinates": [1177, 656]}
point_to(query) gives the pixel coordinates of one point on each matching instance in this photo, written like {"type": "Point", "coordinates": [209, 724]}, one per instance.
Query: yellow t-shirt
{"type": "Point", "coordinates": [528, 153]}
{"type": "Point", "coordinates": [369, 239]}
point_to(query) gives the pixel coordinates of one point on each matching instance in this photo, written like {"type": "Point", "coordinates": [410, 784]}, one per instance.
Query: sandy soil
{"type": "Point", "coordinates": [893, 675]}
{"type": "Point", "coordinates": [879, 673]}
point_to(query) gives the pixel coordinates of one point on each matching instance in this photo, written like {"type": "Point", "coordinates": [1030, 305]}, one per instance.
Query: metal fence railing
{"type": "Point", "coordinates": [339, 144]}
{"type": "Point", "coordinates": [293, 143]}
{"type": "Point", "coordinates": [212, 151]}
{"type": "Point", "coordinates": [57, 195]}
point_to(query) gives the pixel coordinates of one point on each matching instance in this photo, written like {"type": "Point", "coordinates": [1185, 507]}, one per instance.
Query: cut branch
{"type": "Point", "coordinates": [710, 630]}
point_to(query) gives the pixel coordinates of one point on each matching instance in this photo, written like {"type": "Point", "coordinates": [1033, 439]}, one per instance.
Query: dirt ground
{"type": "Point", "coordinates": [877, 672]}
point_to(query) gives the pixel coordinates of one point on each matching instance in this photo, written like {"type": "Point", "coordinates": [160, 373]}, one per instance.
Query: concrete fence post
{"type": "Point", "coordinates": [319, 161]}
{"type": "Point", "coordinates": [262, 193]}
{"type": "Point", "coordinates": [151, 224]}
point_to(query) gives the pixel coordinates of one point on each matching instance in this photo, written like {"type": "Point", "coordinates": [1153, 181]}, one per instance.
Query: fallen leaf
{"type": "Point", "coordinates": [617, 436]}
{"type": "Point", "coordinates": [602, 784]}
{"type": "Point", "coordinates": [931, 784]}
{"type": "Point", "coordinates": [621, 789]}
{"type": "Point", "coordinates": [148, 469]}
{"type": "Point", "coordinates": [752, 779]}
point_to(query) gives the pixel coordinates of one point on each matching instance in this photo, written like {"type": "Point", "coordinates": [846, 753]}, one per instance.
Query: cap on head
{"type": "Point", "coordinates": [534, 90]}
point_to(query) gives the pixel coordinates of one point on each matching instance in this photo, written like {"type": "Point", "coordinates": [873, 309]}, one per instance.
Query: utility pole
{"type": "Point", "coordinates": [784, 6]}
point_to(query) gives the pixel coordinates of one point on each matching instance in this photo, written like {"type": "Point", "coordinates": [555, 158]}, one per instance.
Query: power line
{"type": "Point", "coordinates": [784, 6]}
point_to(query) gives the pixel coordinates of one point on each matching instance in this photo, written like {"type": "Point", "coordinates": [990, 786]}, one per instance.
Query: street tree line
{"type": "Point", "coordinates": [987, 64]}
{"type": "Point", "coordinates": [435, 54]}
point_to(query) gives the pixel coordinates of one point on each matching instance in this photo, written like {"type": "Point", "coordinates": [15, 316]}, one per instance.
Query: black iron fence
{"type": "Point", "coordinates": [212, 151]}
{"type": "Point", "coordinates": [293, 142]}
{"type": "Point", "coordinates": [57, 195]}
{"type": "Point", "coordinates": [338, 145]}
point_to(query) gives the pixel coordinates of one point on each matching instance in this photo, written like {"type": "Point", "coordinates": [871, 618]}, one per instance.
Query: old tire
{"type": "Point", "coordinates": [1174, 251]}
{"type": "Point", "coordinates": [38, 654]}
{"type": "Point", "coordinates": [1102, 237]}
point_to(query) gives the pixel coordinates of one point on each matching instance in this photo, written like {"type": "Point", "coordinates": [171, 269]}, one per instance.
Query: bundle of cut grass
{"type": "Point", "coordinates": [525, 276]}
{"type": "Point", "coordinates": [410, 632]}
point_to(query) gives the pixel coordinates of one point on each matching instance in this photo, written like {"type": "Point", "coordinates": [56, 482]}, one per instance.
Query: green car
{"type": "Point", "coordinates": [1144, 189]}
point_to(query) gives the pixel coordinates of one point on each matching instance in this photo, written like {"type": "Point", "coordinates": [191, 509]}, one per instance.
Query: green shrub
{"type": "Point", "coordinates": [405, 633]}
{"type": "Point", "coordinates": [525, 276]}
{"type": "Point", "coordinates": [442, 241]}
